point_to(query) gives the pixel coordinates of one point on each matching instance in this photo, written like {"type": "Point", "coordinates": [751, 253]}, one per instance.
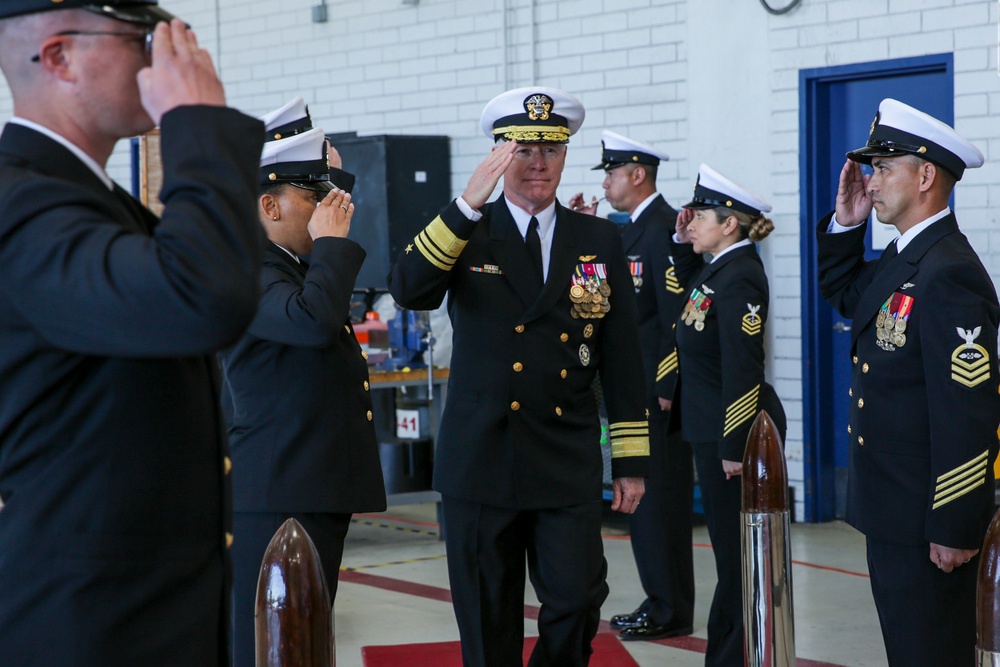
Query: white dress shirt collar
{"type": "Point", "coordinates": [643, 206]}
{"type": "Point", "coordinates": [546, 226]}
{"type": "Point", "coordinates": [738, 244]}
{"type": "Point", "coordinates": [911, 233]}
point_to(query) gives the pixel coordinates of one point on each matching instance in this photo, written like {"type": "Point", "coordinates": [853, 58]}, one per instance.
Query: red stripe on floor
{"type": "Point", "coordinates": [694, 644]}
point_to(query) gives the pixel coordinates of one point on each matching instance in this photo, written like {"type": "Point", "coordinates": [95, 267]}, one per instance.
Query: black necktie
{"type": "Point", "coordinates": [887, 255]}
{"type": "Point", "coordinates": [534, 243]}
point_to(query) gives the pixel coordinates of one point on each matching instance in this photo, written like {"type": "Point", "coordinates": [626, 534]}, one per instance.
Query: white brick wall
{"type": "Point", "coordinates": [706, 80]}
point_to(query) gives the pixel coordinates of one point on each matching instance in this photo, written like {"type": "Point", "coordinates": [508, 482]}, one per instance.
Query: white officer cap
{"type": "Point", "coordinates": [899, 129]}
{"type": "Point", "coordinates": [291, 119]}
{"type": "Point", "coordinates": [301, 160]}
{"type": "Point", "coordinates": [533, 115]}
{"type": "Point", "coordinates": [712, 189]}
{"type": "Point", "coordinates": [617, 149]}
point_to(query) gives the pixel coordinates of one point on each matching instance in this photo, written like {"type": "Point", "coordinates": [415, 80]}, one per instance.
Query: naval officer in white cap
{"type": "Point", "coordinates": [924, 403]}
{"type": "Point", "coordinates": [293, 118]}
{"type": "Point", "coordinates": [296, 384]}
{"type": "Point", "coordinates": [721, 385]}
{"type": "Point", "coordinates": [541, 298]}
{"type": "Point", "coordinates": [661, 528]}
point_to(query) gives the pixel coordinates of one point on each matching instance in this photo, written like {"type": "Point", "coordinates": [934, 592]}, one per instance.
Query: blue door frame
{"type": "Point", "coordinates": [815, 201]}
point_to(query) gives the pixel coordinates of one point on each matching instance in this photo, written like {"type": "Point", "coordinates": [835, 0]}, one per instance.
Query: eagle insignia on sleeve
{"type": "Point", "coordinates": [752, 322]}
{"type": "Point", "coordinates": [970, 363]}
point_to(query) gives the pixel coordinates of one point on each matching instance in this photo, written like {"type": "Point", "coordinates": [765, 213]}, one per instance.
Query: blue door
{"type": "Point", "coordinates": [837, 106]}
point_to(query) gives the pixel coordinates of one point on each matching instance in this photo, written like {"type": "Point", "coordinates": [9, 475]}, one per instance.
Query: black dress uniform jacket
{"type": "Point", "coordinates": [112, 450]}
{"type": "Point", "coordinates": [520, 428]}
{"type": "Point", "coordinates": [722, 385]}
{"type": "Point", "coordinates": [924, 413]}
{"type": "Point", "coordinates": [659, 297]}
{"type": "Point", "coordinates": [661, 526]}
{"type": "Point", "coordinates": [302, 433]}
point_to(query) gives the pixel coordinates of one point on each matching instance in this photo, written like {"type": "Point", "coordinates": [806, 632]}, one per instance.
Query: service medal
{"type": "Point", "coordinates": [892, 321]}
{"type": "Point", "coordinates": [696, 308]}
{"type": "Point", "coordinates": [584, 355]}
{"type": "Point", "coordinates": [588, 331]}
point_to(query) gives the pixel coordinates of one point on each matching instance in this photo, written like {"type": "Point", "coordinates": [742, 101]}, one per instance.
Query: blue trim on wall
{"type": "Point", "coordinates": [818, 455]}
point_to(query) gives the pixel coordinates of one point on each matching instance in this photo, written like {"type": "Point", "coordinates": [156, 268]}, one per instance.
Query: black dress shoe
{"type": "Point", "coordinates": [632, 620]}
{"type": "Point", "coordinates": [649, 630]}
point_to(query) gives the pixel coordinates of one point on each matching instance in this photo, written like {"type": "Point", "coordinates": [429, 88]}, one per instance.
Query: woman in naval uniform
{"type": "Point", "coordinates": [721, 387]}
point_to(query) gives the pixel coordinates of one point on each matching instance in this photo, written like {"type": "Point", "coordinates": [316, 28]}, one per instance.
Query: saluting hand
{"type": "Point", "coordinates": [628, 491]}
{"type": "Point", "coordinates": [684, 218]}
{"type": "Point", "coordinates": [854, 203]}
{"type": "Point", "coordinates": [181, 73]}
{"type": "Point", "coordinates": [332, 216]}
{"type": "Point", "coordinates": [486, 176]}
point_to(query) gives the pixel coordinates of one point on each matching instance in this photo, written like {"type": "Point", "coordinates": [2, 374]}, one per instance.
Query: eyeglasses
{"type": "Point", "coordinates": [548, 153]}
{"type": "Point", "coordinates": [145, 37]}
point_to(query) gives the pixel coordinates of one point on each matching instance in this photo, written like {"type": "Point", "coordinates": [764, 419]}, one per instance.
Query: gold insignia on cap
{"type": "Point", "coordinates": [922, 149]}
{"type": "Point", "coordinates": [277, 135]}
{"type": "Point", "coordinates": [538, 106]}
{"type": "Point", "coordinates": [874, 124]}
{"type": "Point", "coordinates": [729, 203]}
{"type": "Point", "coordinates": [272, 176]}
{"type": "Point", "coordinates": [635, 158]}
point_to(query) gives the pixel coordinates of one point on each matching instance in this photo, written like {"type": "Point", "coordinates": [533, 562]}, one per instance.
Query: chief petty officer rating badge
{"type": "Point", "coordinates": [970, 363]}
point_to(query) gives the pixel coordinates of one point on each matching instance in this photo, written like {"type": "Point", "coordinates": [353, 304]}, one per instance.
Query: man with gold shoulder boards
{"type": "Point", "coordinates": [924, 402]}
{"type": "Point", "coordinates": [541, 298]}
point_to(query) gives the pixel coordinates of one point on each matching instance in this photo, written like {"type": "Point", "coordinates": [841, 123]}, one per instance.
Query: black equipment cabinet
{"type": "Point", "coordinates": [403, 181]}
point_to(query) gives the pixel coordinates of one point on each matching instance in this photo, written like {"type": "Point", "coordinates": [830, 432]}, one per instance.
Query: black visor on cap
{"type": "Point", "coordinates": [612, 158]}
{"type": "Point", "coordinates": [316, 186]}
{"type": "Point", "coordinates": [705, 198]}
{"type": "Point", "coordinates": [342, 179]}
{"type": "Point", "coordinates": [309, 171]}
{"type": "Point", "coordinates": [143, 13]}
{"type": "Point", "coordinates": [888, 141]}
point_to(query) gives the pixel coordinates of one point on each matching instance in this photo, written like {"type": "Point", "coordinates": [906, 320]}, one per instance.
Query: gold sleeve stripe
{"type": "Point", "coordinates": [667, 366]}
{"type": "Point", "coordinates": [431, 254]}
{"type": "Point", "coordinates": [741, 410]}
{"type": "Point", "coordinates": [624, 447]}
{"type": "Point", "coordinates": [444, 238]}
{"type": "Point", "coordinates": [960, 491]}
{"type": "Point", "coordinates": [979, 460]}
{"type": "Point", "coordinates": [625, 433]}
{"type": "Point", "coordinates": [620, 425]}
{"type": "Point", "coordinates": [946, 487]}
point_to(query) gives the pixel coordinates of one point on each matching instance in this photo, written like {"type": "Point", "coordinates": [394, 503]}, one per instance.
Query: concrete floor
{"type": "Point", "coordinates": [395, 587]}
